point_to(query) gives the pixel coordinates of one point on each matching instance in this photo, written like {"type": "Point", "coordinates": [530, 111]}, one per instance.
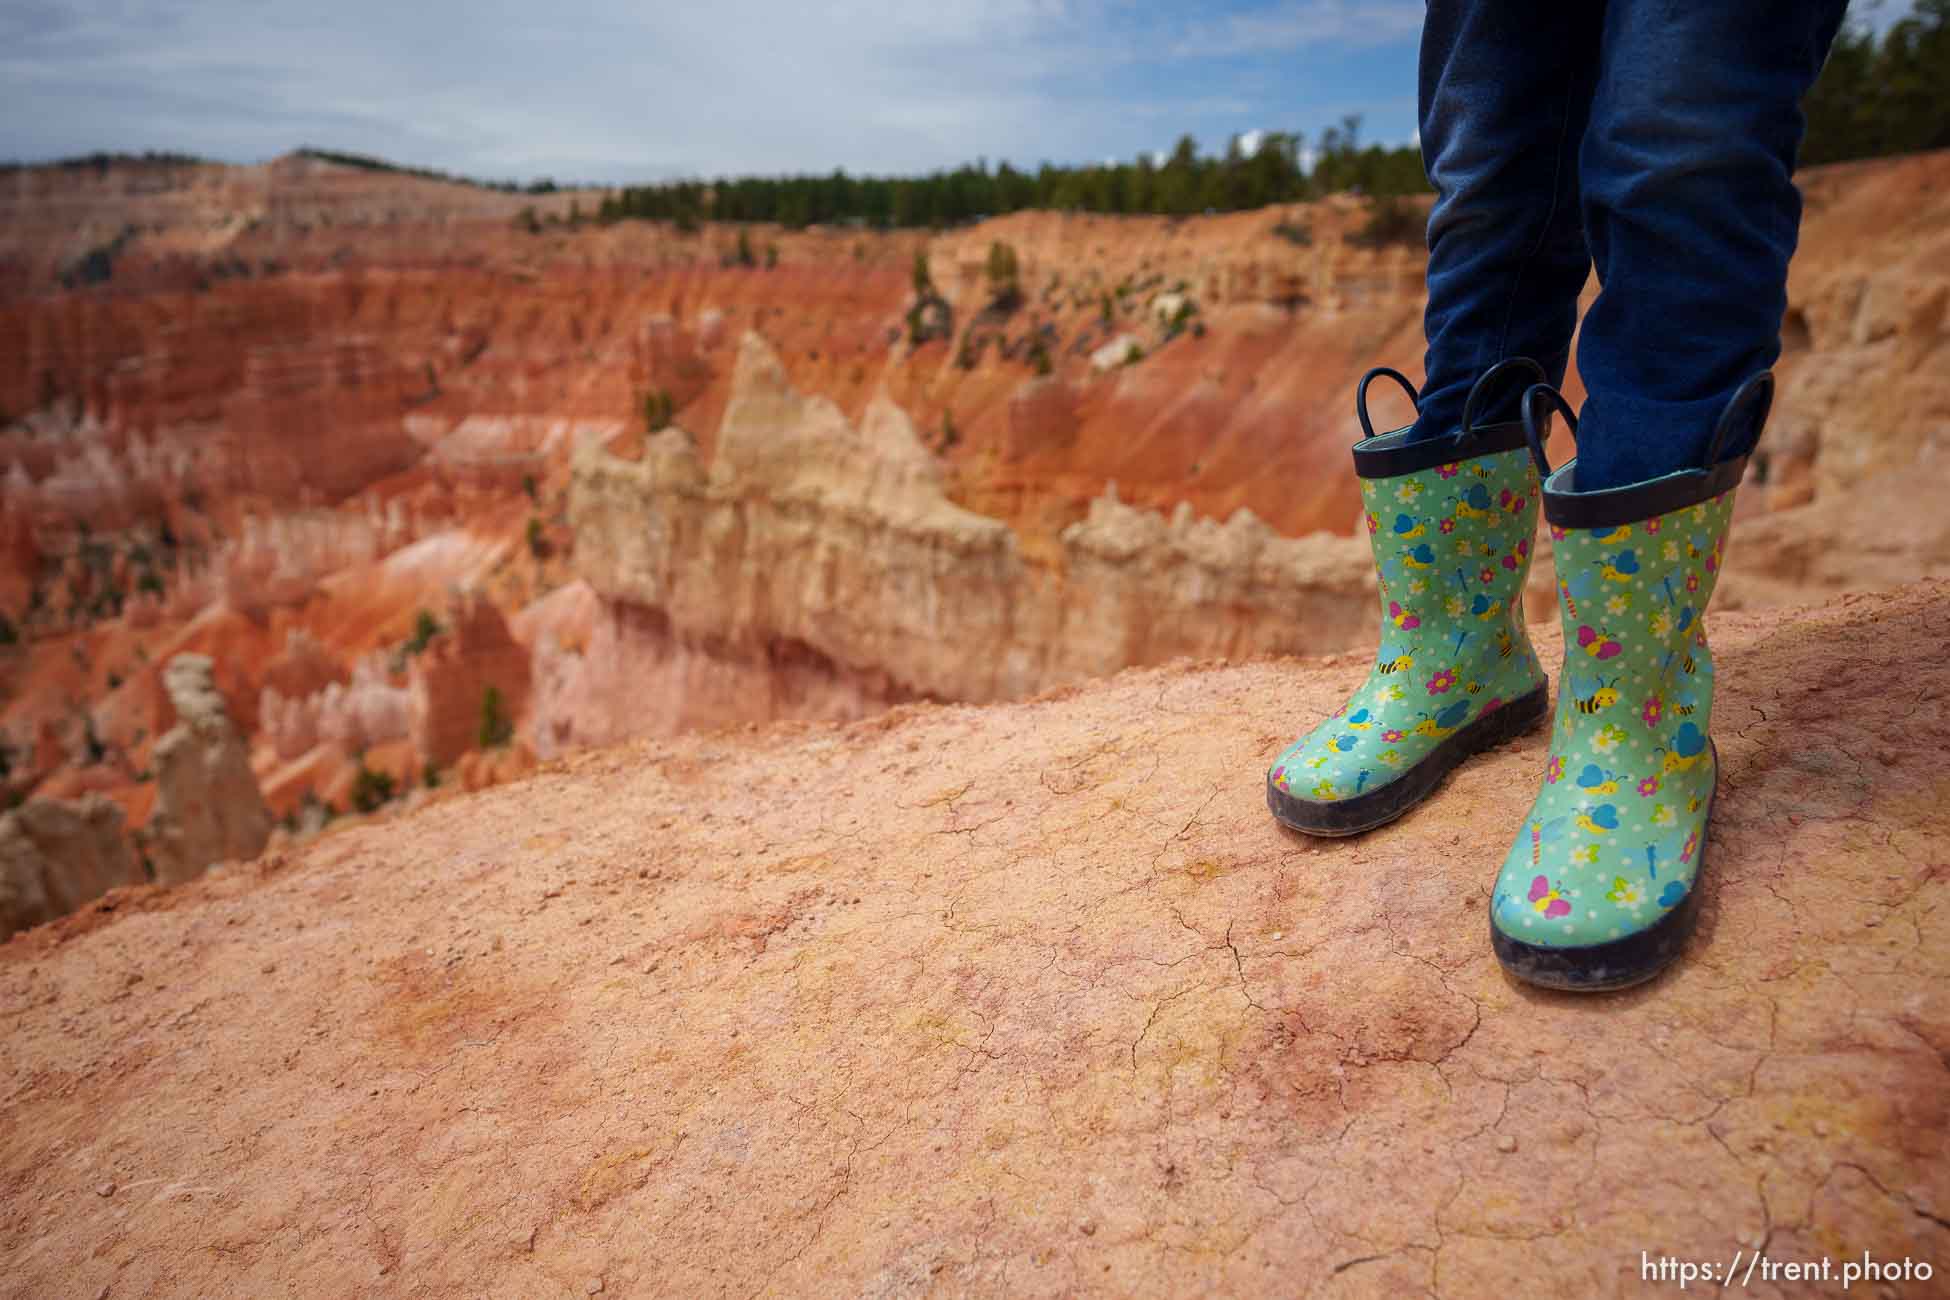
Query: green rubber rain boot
{"type": "Point", "coordinates": [1451, 522]}
{"type": "Point", "coordinates": [1599, 889]}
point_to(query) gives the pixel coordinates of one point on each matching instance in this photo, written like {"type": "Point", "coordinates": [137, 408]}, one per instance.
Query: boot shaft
{"type": "Point", "coordinates": [1452, 546]}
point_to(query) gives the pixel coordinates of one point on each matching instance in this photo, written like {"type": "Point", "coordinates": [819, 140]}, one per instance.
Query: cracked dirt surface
{"type": "Point", "coordinates": [1027, 999]}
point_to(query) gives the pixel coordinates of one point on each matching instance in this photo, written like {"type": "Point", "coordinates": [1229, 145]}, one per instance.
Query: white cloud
{"type": "Point", "coordinates": [1300, 23]}
{"type": "Point", "coordinates": [618, 89]}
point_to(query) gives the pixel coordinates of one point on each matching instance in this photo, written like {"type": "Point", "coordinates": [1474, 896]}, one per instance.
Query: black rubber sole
{"type": "Point", "coordinates": [1378, 807]}
{"type": "Point", "coordinates": [1620, 964]}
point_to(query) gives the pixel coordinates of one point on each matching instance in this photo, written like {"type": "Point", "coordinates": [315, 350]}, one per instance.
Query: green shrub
{"type": "Point", "coordinates": [1180, 318]}
{"type": "Point", "coordinates": [537, 539]}
{"type": "Point", "coordinates": [658, 410]}
{"type": "Point", "coordinates": [371, 789]}
{"type": "Point", "coordinates": [1039, 359]}
{"type": "Point", "coordinates": [1390, 221]}
{"type": "Point", "coordinates": [497, 728]}
{"type": "Point", "coordinates": [425, 628]}
{"type": "Point", "coordinates": [1297, 233]}
{"type": "Point", "coordinates": [1005, 288]}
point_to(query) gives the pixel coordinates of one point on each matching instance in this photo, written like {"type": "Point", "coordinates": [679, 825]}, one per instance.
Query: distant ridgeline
{"type": "Point", "coordinates": [1876, 96]}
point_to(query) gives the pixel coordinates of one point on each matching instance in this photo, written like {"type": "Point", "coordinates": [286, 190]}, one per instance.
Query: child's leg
{"type": "Point", "coordinates": [1504, 95]}
{"type": "Point", "coordinates": [1691, 216]}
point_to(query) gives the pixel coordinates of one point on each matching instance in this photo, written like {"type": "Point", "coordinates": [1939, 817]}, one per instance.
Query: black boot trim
{"type": "Point", "coordinates": [1567, 507]}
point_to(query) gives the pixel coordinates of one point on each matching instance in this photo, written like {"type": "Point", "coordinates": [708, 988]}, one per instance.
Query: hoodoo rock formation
{"type": "Point", "coordinates": [290, 409]}
{"type": "Point", "coordinates": [824, 561]}
{"type": "Point", "coordinates": [452, 679]}
{"type": "Point", "coordinates": [208, 806]}
{"type": "Point", "coordinates": [57, 855]}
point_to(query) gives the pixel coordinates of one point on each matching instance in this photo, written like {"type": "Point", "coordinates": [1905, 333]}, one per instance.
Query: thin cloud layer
{"type": "Point", "coordinates": [609, 90]}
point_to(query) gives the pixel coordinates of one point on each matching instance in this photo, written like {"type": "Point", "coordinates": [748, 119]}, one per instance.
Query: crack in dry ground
{"type": "Point", "coordinates": [893, 1030]}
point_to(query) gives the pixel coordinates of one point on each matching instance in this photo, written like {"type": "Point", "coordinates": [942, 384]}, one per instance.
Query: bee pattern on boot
{"type": "Point", "coordinates": [1602, 696]}
{"type": "Point", "coordinates": [1598, 819]}
{"type": "Point", "coordinates": [1443, 723]}
{"type": "Point", "coordinates": [1619, 567]}
{"type": "Point", "coordinates": [1688, 748]}
{"type": "Point", "coordinates": [1598, 780]}
{"type": "Point", "coordinates": [1473, 504]}
{"type": "Point", "coordinates": [1399, 664]}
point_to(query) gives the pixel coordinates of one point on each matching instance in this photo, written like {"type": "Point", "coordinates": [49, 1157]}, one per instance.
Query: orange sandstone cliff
{"type": "Point", "coordinates": [374, 448]}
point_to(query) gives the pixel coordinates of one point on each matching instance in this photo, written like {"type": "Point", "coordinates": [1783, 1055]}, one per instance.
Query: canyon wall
{"type": "Point", "coordinates": [56, 855]}
{"type": "Point", "coordinates": [822, 559]}
{"type": "Point", "coordinates": [375, 444]}
{"type": "Point", "coordinates": [208, 806]}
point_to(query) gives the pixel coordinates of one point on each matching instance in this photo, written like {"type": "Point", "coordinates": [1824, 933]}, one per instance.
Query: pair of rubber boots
{"type": "Point", "coordinates": [1598, 889]}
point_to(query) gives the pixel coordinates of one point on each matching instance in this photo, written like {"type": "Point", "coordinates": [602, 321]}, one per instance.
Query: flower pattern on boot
{"type": "Point", "coordinates": [1612, 842]}
{"type": "Point", "coordinates": [1452, 549]}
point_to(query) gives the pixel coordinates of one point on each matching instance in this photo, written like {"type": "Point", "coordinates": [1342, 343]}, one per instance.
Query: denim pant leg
{"type": "Point", "coordinates": [1692, 215]}
{"type": "Point", "coordinates": [1504, 92]}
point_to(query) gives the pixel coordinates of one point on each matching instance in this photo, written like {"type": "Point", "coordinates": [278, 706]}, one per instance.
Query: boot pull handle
{"type": "Point", "coordinates": [1361, 395]}
{"type": "Point", "coordinates": [1757, 393]}
{"type": "Point", "coordinates": [1488, 385]}
{"type": "Point", "coordinates": [1541, 397]}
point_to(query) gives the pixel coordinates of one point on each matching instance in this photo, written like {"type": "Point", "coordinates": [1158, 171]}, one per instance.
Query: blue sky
{"type": "Point", "coordinates": [615, 90]}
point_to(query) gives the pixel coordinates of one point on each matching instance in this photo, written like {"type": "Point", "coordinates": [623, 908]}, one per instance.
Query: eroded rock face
{"type": "Point", "coordinates": [56, 855]}
{"type": "Point", "coordinates": [828, 557]}
{"type": "Point", "coordinates": [449, 681]}
{"type": "Point", "coordinates": [208, 805]}
{"type": "Point", "coordinates": [939, 522]}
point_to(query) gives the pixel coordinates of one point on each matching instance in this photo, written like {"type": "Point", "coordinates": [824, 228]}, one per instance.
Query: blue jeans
{"type": "Point", "coordinates": [1654, 139]}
